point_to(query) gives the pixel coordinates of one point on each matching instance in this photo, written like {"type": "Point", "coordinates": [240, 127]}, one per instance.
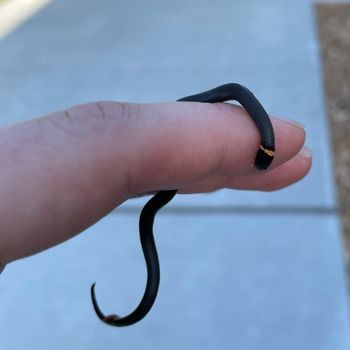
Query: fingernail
{"type": "Point", "coordinates": [305, 152]}
{"type": "Point", "coordinates": [293, 122]}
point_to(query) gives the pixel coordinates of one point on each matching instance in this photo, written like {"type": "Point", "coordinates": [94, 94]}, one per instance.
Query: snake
{"type": "Point", "coordinates": [263, 159]}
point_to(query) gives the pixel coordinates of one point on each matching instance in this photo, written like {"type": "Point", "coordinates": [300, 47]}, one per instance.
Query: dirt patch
{"type": "Point", "coordinates": [334, 33]}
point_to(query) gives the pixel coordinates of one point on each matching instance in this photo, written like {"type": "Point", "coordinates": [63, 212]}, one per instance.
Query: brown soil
{"type": "Point", "coordinates": [334, 33]}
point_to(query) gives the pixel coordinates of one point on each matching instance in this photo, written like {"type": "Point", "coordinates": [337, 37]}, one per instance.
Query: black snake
{"type": "Point", "coordinates": [263, 159]}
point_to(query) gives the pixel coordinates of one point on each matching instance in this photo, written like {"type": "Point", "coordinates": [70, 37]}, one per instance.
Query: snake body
{"type": "Point", "coordinates": [263, 159]}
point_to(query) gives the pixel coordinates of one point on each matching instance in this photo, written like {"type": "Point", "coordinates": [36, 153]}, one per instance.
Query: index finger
{"type": "Point", "coordinates": [171, 145]}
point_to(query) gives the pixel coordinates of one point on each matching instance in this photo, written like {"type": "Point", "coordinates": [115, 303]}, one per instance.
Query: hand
{"type": "Point", "coordinates": [63, 172]}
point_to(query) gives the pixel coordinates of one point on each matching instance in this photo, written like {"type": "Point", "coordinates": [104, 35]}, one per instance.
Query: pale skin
{"type": "Point", "coordinates": [63, 172]}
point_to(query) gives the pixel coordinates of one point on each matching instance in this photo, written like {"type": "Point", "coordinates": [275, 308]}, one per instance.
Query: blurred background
{"type": "Point", "coordinates": [240, 270]}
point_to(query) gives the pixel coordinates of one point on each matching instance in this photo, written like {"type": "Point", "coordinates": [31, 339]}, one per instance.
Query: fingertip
{"type": "Point", "coordinates": [290, 137]}
{"type": "Point", "coordinates": [306, 153]}
{"type": "Point", "coordinates": [292, 171]}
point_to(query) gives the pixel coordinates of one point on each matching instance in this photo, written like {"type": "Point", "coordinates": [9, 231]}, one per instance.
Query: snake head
{"type": "Point", "coordinates": [264, 158]}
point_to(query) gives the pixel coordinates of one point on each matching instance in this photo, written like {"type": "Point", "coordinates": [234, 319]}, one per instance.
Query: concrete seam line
{"type": "Point", "coordinates": [15, 12]}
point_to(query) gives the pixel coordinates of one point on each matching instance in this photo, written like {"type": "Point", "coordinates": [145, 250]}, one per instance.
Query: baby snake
{"type": "Point", "coordinates": [263, 159]}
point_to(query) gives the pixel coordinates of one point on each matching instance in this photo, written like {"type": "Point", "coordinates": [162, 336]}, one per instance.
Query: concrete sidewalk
{"type": "Point", "coordinates": [226, 283]}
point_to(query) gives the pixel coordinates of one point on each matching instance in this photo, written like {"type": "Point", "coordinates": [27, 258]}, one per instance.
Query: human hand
{"type": "Point", "coordinates": [63, 172]}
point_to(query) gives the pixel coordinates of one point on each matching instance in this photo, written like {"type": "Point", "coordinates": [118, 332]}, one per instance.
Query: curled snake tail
{"type": "Point", "coordinates": [97, 309]}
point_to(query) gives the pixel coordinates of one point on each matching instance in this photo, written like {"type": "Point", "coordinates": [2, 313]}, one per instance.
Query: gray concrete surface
{"type": "Point", "coordinates": [237, 273]}
{"type": "Point", "coordinates": [225, 285]}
